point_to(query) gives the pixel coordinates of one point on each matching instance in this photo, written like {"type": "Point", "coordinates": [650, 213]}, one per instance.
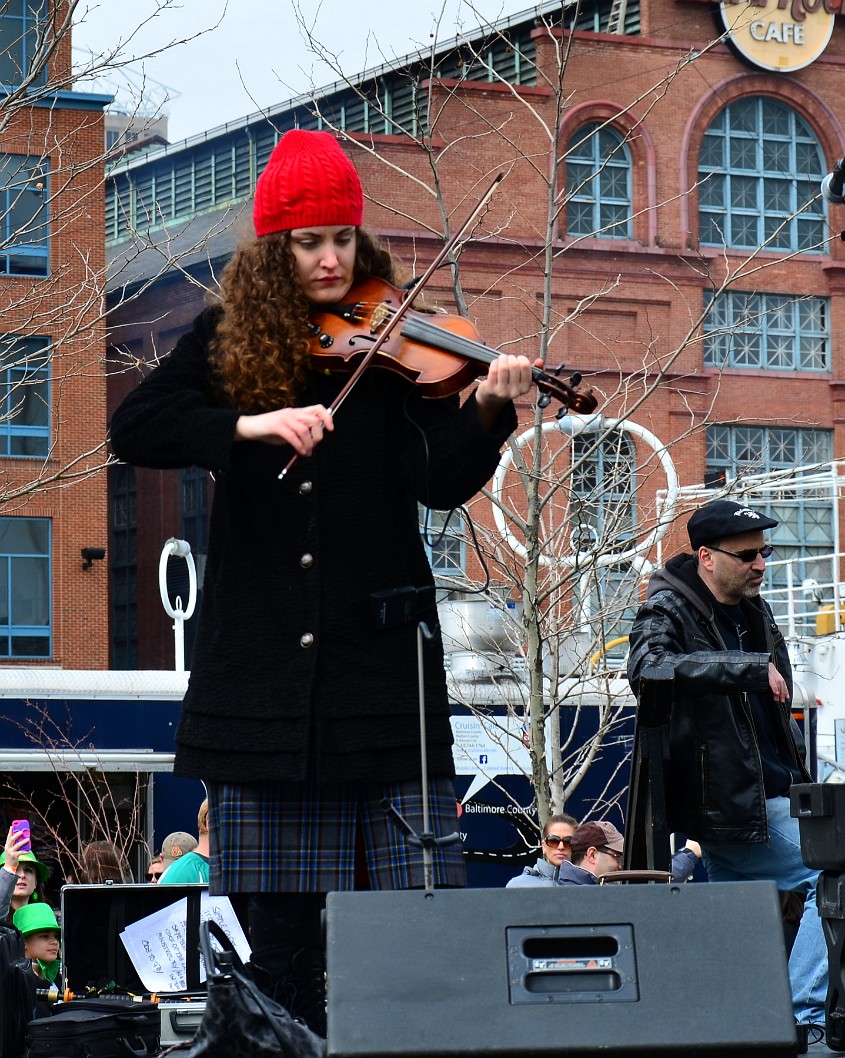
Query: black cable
{"type": "Point", "coordinates": [442, 533]}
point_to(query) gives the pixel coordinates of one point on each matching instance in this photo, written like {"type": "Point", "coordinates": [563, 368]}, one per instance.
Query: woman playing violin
{"type": "Point", "coordinates": [302, 708]}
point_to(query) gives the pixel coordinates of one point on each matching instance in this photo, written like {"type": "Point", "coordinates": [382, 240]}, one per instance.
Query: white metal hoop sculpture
{"type": "Point", "coordinates": [178, 549]}
{"type": "Point", "coordinates": [574, 425]}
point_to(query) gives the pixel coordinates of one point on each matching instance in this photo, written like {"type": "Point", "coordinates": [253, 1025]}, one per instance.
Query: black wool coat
{"type": "Point", "coordinates": [290, 679]}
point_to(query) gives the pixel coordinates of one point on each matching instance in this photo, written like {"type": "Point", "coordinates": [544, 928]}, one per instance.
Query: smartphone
{"type": "Point", "coordinates": [23, 826]}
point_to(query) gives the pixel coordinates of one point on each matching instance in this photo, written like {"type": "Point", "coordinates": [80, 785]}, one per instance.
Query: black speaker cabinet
{"type": "Point", "coordinates": [577, 971]}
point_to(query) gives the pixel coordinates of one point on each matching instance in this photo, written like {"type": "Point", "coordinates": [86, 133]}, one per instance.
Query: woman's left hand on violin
{"type": "Point", "coordinates": [508, 377]}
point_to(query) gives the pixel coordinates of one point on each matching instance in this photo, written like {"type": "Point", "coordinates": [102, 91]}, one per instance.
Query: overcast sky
{"type": "Point", "coordinates": [247, 55]}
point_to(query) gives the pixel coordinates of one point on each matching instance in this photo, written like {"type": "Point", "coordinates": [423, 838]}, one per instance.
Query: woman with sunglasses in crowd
{"type": "Point", "coordinates": [557, 838]}
{"type": "Point", "coordinates": [557, 833]}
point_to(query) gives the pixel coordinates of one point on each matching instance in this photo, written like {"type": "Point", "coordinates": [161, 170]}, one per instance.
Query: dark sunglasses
{"type": "Point", "coordinates": [553, 840]}
{"type": "Point", "coordinates": [748, 555]}
{"type": "Point", "coordinates": [611, 852]}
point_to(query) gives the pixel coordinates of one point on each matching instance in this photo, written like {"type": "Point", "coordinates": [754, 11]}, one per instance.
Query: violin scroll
{"type": "Point", "coordinates": [571, 396]}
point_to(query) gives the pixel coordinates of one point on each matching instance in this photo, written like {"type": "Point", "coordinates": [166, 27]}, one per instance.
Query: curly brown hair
{"type": "Point", "coordinates": [261, 346]}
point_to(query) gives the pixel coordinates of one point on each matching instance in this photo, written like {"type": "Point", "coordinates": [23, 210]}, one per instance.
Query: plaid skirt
{"type": "Point", "coordinates": [289, 837]}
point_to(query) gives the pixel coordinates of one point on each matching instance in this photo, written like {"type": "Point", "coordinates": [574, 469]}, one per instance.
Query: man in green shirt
{"type": "Point", "coordinates": [191, 866]}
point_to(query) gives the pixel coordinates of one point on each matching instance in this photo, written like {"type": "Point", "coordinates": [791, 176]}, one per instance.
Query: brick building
{"type": "Point", "coordinates": [52, 265]}
{"type": "Point", "coordinates": [681, 259]}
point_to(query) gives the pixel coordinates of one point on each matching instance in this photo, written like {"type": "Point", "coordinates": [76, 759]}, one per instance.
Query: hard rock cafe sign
{"type": "Point", "coordinates": [781, 35]}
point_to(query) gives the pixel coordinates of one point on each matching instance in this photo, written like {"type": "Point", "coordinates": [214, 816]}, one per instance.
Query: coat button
{"type": "Point", "coordinates": [305, 487]}
{"type": "Point", "coordinates": [306, 640]}
{"type": "Point", "coordinates": [307, 561]}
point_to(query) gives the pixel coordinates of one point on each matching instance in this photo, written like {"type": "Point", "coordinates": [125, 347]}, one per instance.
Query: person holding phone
{"type": "Point", "coordinates": [21, 874]}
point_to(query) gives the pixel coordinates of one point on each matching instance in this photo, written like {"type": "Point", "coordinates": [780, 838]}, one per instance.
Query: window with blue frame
{"type": "Point", "coordinates": [24, 396]}
{"type": "Point", "coordinates": [24, 216]}
{"type": "Point", "coordinates": [742, 450]}
{"type": "Point", "coordinates": [598, 183]}
{"type": "Point", "coordinates": [443, 536]}
{"type": "Point", "coordinates": [767, 331]}
{"type": "Point", "coordinates": [759, 170]}
{"type": "Point", "coordinates": [25, 580]}
{"type": "Point", "coordinates": [20, 23]}
{"type": "Point", "coordinates": [806, 530]}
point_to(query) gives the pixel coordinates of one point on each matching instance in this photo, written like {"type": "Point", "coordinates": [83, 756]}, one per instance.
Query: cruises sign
{"type": "Point", "coordinates": [780, 35]}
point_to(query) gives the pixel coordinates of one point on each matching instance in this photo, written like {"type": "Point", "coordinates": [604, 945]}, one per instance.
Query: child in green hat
{"type": "Point", "coordinates": [41, 937]}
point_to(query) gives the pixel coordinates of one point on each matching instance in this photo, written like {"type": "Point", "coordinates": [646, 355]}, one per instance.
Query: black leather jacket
{"type": "Point", "coordinates": [716, 791]}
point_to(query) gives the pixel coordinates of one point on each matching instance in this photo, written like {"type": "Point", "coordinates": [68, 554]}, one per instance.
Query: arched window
{"type": "Point", "coordinates": [598, 183]}
{"type": "Point", "coordinates": [760, 166]}
{"type": "Point", "coordinates": [603, 510]}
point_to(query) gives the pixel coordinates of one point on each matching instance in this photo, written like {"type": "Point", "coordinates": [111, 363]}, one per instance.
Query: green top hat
{"type": "Point", "coordinates": [29, 857]}
{"type": "Point", "coordinates": [33, 918]}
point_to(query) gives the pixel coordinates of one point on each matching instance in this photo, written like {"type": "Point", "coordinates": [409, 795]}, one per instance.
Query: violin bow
{"type": "Point", "coordinates": [406, 302]}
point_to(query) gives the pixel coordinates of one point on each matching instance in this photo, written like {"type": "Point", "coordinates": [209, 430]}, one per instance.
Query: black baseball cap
{"type": "Point", "coordinates": [723, 518]}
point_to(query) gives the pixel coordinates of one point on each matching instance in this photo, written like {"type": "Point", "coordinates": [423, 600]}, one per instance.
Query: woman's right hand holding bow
{"type": "Point", "coordinates": [301, 428]}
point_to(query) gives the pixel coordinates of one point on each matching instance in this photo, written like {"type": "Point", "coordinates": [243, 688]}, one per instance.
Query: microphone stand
{"type": "Point", "coordinates": [426, 840]}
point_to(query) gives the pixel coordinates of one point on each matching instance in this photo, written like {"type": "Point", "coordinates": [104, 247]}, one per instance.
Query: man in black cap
{"type": "Point", "coordinates": [734, 747]}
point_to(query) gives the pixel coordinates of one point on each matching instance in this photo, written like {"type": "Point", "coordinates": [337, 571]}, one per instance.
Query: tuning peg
{"type": "Point", "coordinates": [544, 400]}
{"type": "Point", "coordinates": [576, 379]}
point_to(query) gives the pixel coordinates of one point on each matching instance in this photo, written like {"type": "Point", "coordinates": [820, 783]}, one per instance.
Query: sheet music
{"type": "Point", "coordinates": [157, 943]}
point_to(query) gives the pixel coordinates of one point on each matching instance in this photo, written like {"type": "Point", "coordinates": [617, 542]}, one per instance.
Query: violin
{"type": "Point", "coordinates": [440, 354]}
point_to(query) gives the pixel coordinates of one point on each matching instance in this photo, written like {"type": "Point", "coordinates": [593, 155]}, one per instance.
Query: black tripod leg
{"type": "Point", "coordinates": [647, 833]}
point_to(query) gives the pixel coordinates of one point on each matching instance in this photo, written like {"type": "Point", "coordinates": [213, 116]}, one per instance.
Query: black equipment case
{"type": "Point", "coordinates": [96, 1028]}
{"type": "Point", "coordinates": [94, 957]}
{"type": "Point", "coordinates": [94, 916]}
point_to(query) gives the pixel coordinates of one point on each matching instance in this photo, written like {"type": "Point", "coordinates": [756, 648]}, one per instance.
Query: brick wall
{"type": "Point", "coordinates": [654, 283]}
{"type": "Point", "coordinates": [67, 308]}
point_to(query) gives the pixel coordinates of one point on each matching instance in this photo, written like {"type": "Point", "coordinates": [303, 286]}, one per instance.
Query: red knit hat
{"type": "Point", "coordinates": [308, 182]}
